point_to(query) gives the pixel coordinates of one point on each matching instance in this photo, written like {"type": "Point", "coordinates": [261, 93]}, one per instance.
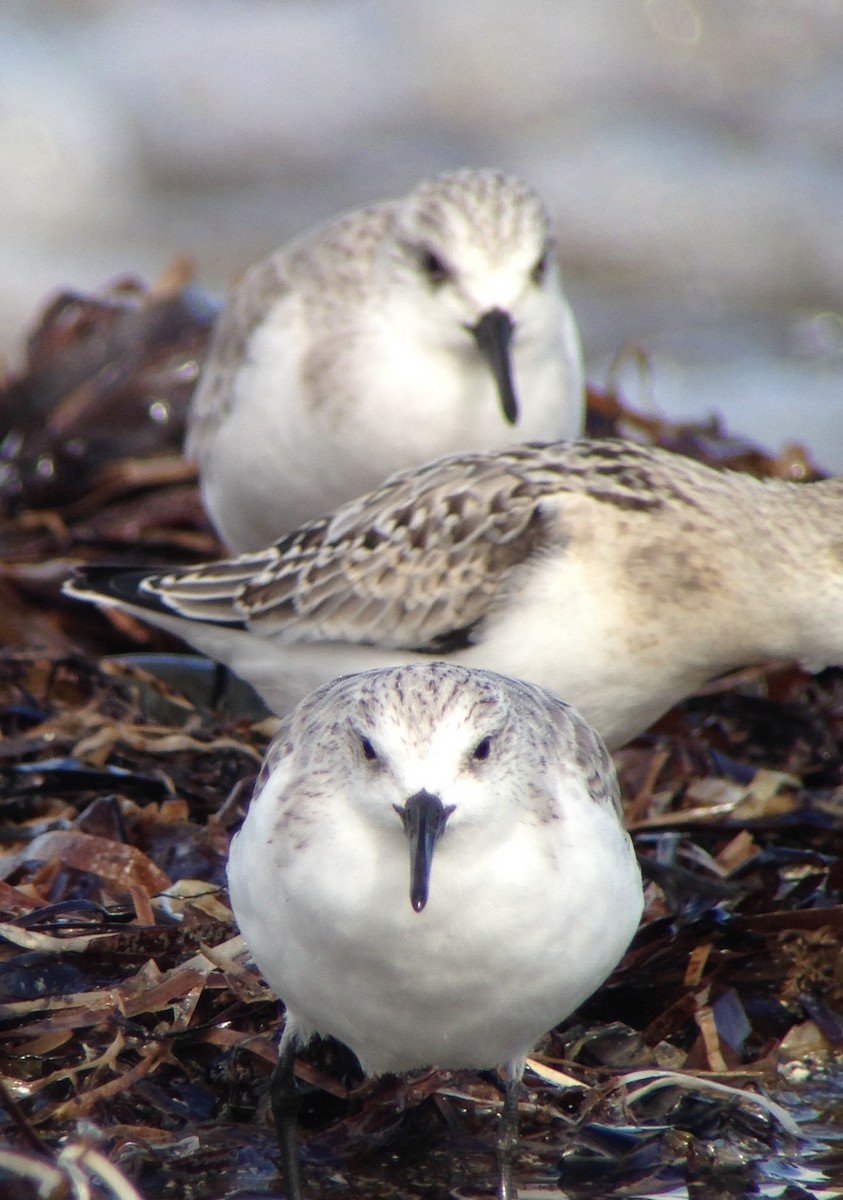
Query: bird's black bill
{"type": "Point", "coordinates": [493, 334]}
{"type": "Point", "coordinates": [423, 817]}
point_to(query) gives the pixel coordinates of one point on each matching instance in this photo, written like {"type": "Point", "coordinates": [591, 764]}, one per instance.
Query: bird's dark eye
{"type": "Point", "coordinates": [368, 749]}
{"type": "Point", "coordinates": [540, 269]}
{"type": "Point", "coordinates": [433, 267]}
{"type": "Point", "coordinates": [481, 750]}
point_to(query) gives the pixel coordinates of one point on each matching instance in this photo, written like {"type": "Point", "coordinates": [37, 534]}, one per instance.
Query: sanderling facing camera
{"type": "Point", "coordinates": [433, 870]}
{"type": "Point", "coordinates": [388, 337]}
{"type": "Point", "coordinates": [621, 577]}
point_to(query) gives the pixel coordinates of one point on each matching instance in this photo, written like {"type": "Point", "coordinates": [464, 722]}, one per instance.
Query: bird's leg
{"type": "Point", "coordinates": [219, 685]}
{"type": "Point", "coordinates": [285, 1099]}
{"type": "Point", "coordinates": [508, 1134]}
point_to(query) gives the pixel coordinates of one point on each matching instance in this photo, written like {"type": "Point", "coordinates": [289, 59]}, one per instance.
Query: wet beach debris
{"type": "Point", "coordinates": [138, 1038]}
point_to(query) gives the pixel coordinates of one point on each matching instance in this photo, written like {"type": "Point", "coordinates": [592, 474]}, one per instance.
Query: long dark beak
{"type": "Point", "coordinates": [423, 817]}
{"type": "Point", "coordinates": [493, 334]}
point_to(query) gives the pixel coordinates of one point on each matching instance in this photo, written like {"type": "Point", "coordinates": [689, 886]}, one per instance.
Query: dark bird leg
{"type": "Point", "coordinates": [508, 1134]}
{"type": "Point", "coordinates": [219, 685]}
{"type": "Point", "coordinates": [285, 1099]}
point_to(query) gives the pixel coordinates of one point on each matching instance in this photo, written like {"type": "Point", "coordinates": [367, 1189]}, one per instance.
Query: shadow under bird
{"type": "Point", "coordinates": [434, 870]}
{"type": "Point", "coordinates": [410, 329]}
{"type": "Point", "coordinates": [621, 577]}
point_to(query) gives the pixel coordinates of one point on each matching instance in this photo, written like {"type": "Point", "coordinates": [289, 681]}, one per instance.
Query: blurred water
{"type": "Point", "coordinates": [690, 151]}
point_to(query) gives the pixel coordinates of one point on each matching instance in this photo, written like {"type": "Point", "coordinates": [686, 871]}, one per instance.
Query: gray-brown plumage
{"type": "Point", "coordinates": [621, 577]}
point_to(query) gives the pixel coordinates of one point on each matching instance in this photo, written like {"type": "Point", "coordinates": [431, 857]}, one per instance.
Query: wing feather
{"type": "Point", "coordinates": [425, 555]}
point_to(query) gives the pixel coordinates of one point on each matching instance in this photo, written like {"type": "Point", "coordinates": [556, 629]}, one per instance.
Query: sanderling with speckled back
{"type": "Point", "coordinates": [619, 576]}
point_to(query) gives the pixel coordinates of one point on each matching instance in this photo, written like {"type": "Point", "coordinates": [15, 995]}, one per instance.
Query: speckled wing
{"type": "Point", "coordinates": [576, 742]}
{"type": "Point", "coordinates": [414, 564]}
{"type": "Point", "coordinates": [591, 756]}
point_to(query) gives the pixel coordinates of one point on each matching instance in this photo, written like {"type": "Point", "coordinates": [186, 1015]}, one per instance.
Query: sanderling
{"type": "Point", "coordinates": [390, 336]}
{"type": "Point", "coordinates": [433, 870]}
{"type": "Point", "coordinates": [619, 576]}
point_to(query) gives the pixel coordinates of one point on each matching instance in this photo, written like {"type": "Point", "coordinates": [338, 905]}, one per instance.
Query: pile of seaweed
{"type": "Point", "coordinates": [138, 1037]}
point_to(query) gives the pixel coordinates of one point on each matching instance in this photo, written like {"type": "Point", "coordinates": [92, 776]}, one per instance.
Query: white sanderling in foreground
{"type": "Point", "coordinates": [621, 577]}
{"type": "Point", "coordinates": [395, 334]}
{"type": "Point", "coordinates": [433, 870]}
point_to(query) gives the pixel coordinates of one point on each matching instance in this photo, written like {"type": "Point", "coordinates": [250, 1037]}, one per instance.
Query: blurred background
{"type": "Point", "coordinates": [690, 151]}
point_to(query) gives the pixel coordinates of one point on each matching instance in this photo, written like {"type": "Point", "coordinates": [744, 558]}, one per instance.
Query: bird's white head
{"type": "Point", "coordinates": [473, 255]}
{"type": "Point", "coordinates": [435, 753]}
